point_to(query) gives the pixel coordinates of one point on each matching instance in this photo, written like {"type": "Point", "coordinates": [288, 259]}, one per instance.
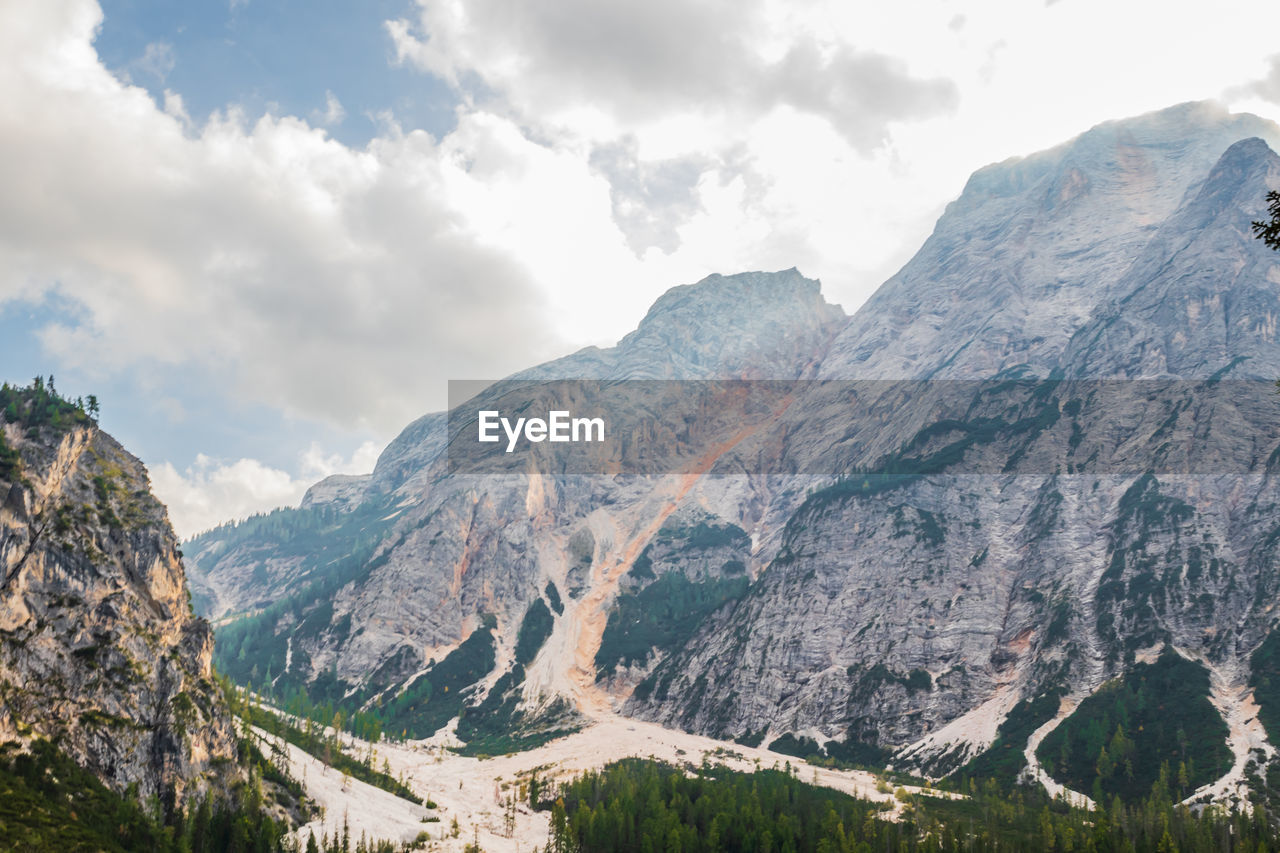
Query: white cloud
{"type": "Point", "coordinates": [333, 113]}
{"type": "Point", "coordinates": [852, 124]}
{"type": "Point", "coordinates": [209, 492]}
{"type": "Point", "coordinates": [1267, 87]}
{"type": "Point", "coordinates": [650, 200]}
{"type": "Point", "coordinates": [324, 281]}
{"type": "Point", "coordinates": [735, 60]}
{"type": "Point", "coordinates": [316, 464]}
{"type": "Point", "coordinates": [157, 61]}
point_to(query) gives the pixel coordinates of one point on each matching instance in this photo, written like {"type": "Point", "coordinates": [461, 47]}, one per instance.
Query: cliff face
{"type": "Point", "coordinates": [99, 649]}
{"type": "Point", "coordinates": [905, 620]}
{"type": "Point", "coordinates": [993, 588]}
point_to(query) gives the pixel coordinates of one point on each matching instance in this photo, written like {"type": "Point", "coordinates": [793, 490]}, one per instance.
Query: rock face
{"type": "Point", "coordinates": [99, 649]}
{"type": "Point", "coordinates": [999, 588]}
{"type": "Point", "coordinates": [1034, 246]}
{"type": "Point", "coordinates": [1024, 553]}
{"type": "Point", "coordinates": [1200, 295]}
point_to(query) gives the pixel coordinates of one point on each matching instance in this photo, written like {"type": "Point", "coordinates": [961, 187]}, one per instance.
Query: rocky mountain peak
{"type": "Point", "coordinates": [1033, 246]}
{"type": "Point", "coordinates": [1243, 166]}
{"type": "Point", "coordinates": [343, 491]}
{"type": "Point", "coordinates": [750, 325]}
{"type": "Point", "coordinates": [740, 299]}
{"type": "Point", "coordinates": [1201, 297]}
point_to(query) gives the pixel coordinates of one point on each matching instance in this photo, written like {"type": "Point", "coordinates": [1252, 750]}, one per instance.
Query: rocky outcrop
{"type": "Point", "coordinates": [341, 491]}
{"type": "Point", "coordinates": [99, 649]}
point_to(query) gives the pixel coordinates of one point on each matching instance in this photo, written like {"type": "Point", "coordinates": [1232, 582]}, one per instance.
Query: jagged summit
{"type": "Point", "coordinates": [745, 299]}
{"type": "Point", "coordinates": [1033, 246]}
{"type": "Point", "coordinates": [752, 325]}
{"type": "Point", "coordinates": [749, 325]}
{"type": "Point", "coordinates": [1203, 296]}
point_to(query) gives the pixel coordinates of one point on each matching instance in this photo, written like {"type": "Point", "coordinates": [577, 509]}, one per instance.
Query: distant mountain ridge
{"type": "Point", "coordinates": [918, 623]}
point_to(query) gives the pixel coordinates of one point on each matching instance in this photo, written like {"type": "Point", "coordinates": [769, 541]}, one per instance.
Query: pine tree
{"type": "Point", "coordinates": [1268, 231]}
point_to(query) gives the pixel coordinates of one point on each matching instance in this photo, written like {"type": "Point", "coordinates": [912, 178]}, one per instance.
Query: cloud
{"type": "Point", "coordinates": [693, 113]}
{"type": "Point", "coordinates": [332, 114]}
{"type": "Point", "coordinates": [157, 61]}
{"type": "Point", "coordinates": [650, 200]}
{"type": "Point", "coordinates": [860, 92]}
{"type": "Point", "coordinates": [635, 62]}
{"type": "Point", "coordinates": [316, 464]}
{"type": "Point", "coordinates": [208, 492]}
{"type": "Point", "coordinates": [1268, 87]}
{"type": "Point", "coordinates": [323, 281]}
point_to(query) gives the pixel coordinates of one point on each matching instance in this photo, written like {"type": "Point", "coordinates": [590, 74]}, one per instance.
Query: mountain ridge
{"type": "Point", "coordinates": [912, 621]}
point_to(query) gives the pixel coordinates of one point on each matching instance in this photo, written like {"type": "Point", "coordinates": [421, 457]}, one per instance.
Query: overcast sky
{"type": "Point", "coordinates": [266, 232]}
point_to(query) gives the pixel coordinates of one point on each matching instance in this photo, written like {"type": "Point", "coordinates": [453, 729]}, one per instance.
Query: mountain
{"type": "Point", "coordinates": [998, 589]}
{"type": "Point", "coordinates": [1199, 295]}
{"type": "Point", "coordinates": [1057, 474]}
{"type": "Point", "coordinates": [1033, 247]}
{"type": "Point", "coordinates": [100, 651]}
{"type": "Point", "coordinates": [753, 325]}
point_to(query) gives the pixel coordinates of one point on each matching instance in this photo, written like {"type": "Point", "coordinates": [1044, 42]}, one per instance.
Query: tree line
{"type": "Point", "coordinates": [645, 806]}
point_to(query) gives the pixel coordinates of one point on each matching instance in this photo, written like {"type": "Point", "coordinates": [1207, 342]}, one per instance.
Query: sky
{"type": "Point", "coordinates": [266, 233]}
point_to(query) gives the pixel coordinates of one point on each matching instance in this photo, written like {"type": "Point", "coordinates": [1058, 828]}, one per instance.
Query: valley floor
{"type": "Point", "coordinates": [474, 791]}
{"type": "Point", "coordinates": [480, 800]}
